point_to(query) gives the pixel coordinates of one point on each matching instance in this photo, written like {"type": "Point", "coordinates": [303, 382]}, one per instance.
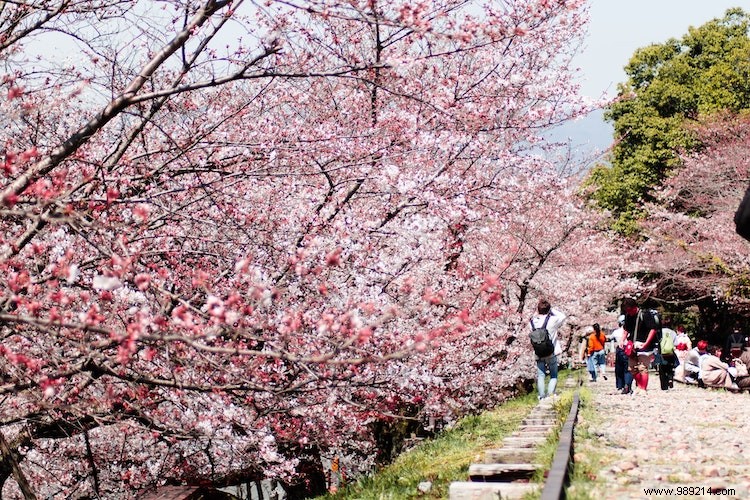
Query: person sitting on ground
{"type": "Point", "coordinates": [692, 364]}
{"type": "Point", "coordinates": [682, 343]}
{"type": "Point", "coordinates": [716, 351]}
{"type": "Point", "coordinates": [743, 376]}
{"type": "Point", "coordinates": [714, 372]}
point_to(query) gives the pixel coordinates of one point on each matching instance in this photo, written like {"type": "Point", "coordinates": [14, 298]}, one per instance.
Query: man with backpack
{"type": "Point", "coordinates": [643, 328]}
{"type": "Point", "coordinates": [734, 345]}
{"type": "Point", "coordinates": [547, 347]}
{"type": "Point", "coordinates": [668, 353]}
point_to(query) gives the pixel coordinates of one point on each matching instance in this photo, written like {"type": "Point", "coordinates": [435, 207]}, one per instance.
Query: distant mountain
{"type": "Point", "coordinates": [590, 138]}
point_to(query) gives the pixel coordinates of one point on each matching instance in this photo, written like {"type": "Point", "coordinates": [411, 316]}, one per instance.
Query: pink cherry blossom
{"type": "Point", "coordinates": [254, 236]}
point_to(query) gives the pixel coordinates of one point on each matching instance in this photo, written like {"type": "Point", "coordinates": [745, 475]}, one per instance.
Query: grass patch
{"type": "Point", "coordinates": [447, 457]}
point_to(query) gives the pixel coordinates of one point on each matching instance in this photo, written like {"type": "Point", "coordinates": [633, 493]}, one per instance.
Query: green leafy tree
{"type": "Point", "coordinates": [669, 87]}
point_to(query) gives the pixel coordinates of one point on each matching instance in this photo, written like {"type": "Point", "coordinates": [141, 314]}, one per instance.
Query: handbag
{"type": "Point", "coordinates": [628, 348]}
{"type": "Point", "coordinates": [741, 368]}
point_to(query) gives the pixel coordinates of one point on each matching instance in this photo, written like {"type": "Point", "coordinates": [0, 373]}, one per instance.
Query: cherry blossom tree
{"type": "Point", "coordinates": [237, 237]}
{"type": "Point", "coordinates": [693, 255]}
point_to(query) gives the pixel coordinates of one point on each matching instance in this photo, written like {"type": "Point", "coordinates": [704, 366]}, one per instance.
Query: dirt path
{"type": "Point", "coordinates": [689, 442]}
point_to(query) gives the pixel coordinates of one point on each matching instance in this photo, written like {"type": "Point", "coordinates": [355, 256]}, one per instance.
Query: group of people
{"type": "Point", "coordinates": [716, 366]}
{"type": "Point", "coordinates": [644, 340]}
{"type": "Point", "coordinates": [637, 347]}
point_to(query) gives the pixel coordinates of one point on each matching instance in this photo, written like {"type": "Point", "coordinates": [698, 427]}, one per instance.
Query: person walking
{"type": "Point", "coordinates": [623, 380]}
{"type": "Point", "coordinates": [643, 328]}
{"type": "Point", "coordinates": [550, 319]}
{"type": "Point", "coordinates": [595, 361]}
{"type": "Point", "coordinates": [668, 356]}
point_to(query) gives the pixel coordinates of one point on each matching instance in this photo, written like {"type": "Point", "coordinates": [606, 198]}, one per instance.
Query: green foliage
{"type": "Point", "coordinates": [669, 87]}
{"type": "Point", "coordinates": [740, 285]}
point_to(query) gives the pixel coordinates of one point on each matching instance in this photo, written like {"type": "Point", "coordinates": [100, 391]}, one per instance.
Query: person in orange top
{"type": "Point", "coordinates": [595, 353]}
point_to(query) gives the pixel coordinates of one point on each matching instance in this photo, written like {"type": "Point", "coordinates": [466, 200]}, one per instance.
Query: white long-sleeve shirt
{"type": "Point", "coordinates": [556, 319]}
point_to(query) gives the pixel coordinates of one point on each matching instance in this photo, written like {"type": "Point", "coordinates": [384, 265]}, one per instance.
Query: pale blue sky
{"type": "Point", "coordinates": [619, 27]}
{"type": "Point", "coordinates": [616, 30]}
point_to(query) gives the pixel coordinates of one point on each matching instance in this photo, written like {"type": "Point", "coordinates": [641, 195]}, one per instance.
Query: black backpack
{"type": "Point", "coordinates": [657, 323]}
{"type": "Point", "coordinates": [540, 339]}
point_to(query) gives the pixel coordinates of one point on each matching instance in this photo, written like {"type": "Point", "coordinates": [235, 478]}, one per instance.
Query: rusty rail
{"type": "Point", "coordinates": [558, 477]}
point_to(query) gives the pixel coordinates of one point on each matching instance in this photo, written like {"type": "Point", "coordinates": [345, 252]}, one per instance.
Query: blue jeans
{"type": "Point", "coordinates": [595, 360]}
{"type": "Point", "coordinates": [542, 366]}
{"type": "Point", "coordinates": [591, 366]}
{"type": "Point", "coordinates": [600, 359]}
